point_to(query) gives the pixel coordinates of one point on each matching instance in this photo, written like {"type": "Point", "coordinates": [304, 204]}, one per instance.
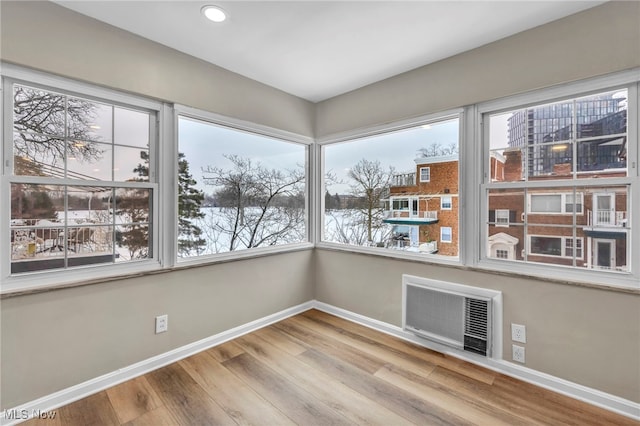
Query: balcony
{"type": "Point", "coordinates": [606, 224]}
{"type": "Point", "coordinates": [404, 179]}
{"type": "Point", "coordinates": [406, 217]}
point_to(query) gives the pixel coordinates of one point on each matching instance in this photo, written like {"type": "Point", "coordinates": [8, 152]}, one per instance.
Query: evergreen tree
{"type": "Point", "coordinates": [190, 200]}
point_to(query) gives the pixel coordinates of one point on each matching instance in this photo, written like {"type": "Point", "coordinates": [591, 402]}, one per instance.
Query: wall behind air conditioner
{"type": "Point", "coordinates": [587, 336]}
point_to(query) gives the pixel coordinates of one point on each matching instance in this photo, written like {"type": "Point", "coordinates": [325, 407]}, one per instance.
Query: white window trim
{"type": "Point", "coordinates": [442, 203]}
{"type": "Point", "coordinates": [428, 169]}
{"type": "Point", "coordinates": [563, 203]}
{"type": "Point", "coordinates": [366, 132]}
{"type": "Point", "coordinates": [312, 197]}
{"type": "Point", "coordinates": [477, 144]}
{"type": "Point", "coordinates": [442, 240]}
{"type": "Point", "coordinates": [501, 223]}
{"type": "Point", "coordinates": [12, 74]}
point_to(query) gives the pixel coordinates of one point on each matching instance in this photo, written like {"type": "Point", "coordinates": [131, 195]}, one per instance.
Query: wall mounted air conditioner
{"type": "Point", "coordinates": [464, 317]}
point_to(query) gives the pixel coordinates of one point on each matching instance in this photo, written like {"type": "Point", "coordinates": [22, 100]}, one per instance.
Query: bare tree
{"type": "Point", "coordinates": [47, 124]}
{"type": "Point", "coordinates": [259, 206]}
{"type": "Point", "coordinates": [370, 182]}
{"type": "Point", "coordinates": [437, 150]}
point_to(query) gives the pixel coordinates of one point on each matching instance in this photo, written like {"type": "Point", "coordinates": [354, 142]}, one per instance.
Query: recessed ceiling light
{"type": "Point", "coordinates": [214, 13]}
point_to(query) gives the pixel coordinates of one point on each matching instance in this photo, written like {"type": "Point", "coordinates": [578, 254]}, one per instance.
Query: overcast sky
{"type": "Point", "coordinates": [205, 145]}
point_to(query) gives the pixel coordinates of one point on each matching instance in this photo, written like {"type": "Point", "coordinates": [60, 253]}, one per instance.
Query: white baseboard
{"type": "Point", "coordinates": [66, 396]}
{"type": "Point", "coordinates": [90, 387]}
{"type": "Point", "coordinates": [583, 393]}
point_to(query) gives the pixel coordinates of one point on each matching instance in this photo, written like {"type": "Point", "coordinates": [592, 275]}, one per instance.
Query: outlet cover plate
{"type": "Point", "coordinates": [517, 353]}
{"type": "Point", "coordinates": [518, 333]}
{"type": "Point", "coordinates": [162, 323]}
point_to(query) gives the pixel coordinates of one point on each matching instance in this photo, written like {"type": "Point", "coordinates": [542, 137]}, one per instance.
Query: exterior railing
{"type": "Point", "coordinates": [607, 218]}
{"type": "Point", "coordinates": [405, 179]}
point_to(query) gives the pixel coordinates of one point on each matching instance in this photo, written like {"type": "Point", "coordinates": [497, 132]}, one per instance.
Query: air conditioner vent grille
{"type": "Point", "coordinates": [476, 318]}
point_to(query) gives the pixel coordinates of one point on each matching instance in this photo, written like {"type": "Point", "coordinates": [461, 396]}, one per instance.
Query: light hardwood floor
{"type": "Point", "coordinates": [317, 369]}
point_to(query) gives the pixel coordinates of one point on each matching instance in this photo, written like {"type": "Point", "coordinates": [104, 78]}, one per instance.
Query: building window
{"type": "Point", "coordinates": [425, 174]}
{"type": "Point", "coordinates": [555, 203]}
{"type": "Point", "coordinates": [445, 234]}
{"type": "Point", "coordinates": [555, 246]}
{"type": "Point", "coordinates": [378, 175]}
{"type": "Point", "coordinates": [502, 218]}
{"type": "Point", "coordinates": [237, 190]}
{"type": "Point", "coordinates": [81, 180]}
{"type": "Point", "coordinates": [502, 254]}
{"type": "Point", "coordinates": [565, 165]}
{"type": "Point", "coordinates": [445, 202]}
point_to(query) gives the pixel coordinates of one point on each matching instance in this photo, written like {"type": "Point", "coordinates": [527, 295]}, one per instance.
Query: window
{"type": "Point", "coordinates": [502, 217]}
{"type": "Point", "coordinates": [565, 165]}
{"type": "Point", "coordinates": [445, 234]}
{"type": "Point", "coordinates": [384, 205]}
{"type": "Point", "coordinates": [445, 202]}
{"type": "Point", "coordinates": [555, 203]}
{"type": "Point", "coordinates": [555, 246]}
{"type": "Point", "coordinates": [238, 190]}
{"type": "Point", "coordinates": [81, 178]}
{"type": "Point", "coordinates": [425, 174]}
{"type": "Point", "coordinates": [502, 254]}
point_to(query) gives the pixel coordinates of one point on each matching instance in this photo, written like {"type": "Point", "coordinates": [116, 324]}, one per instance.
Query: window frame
{"type": "Point", "coordinates": [428, 173]}
{"type": "Point", "coordinates": [498, 220]}
{"type": "Point", "coordinates": [442, 240]}
{"type": "Point", "coordinates": [400, 125]}
{"type": "Point", "coordinates": [444, 205]}
{"type": "Point", "coordinates": [629, 80]}
{"type": "Point", "coordinates": [563, 203]}
{"type": "Point", "coordinates": [12, 74]}
{"type": "Point", "coordinates": [259, 130]}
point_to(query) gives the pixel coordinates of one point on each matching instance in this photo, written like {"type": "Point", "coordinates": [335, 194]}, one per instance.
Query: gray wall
{"type": "Point", "coordinates": [57, 339]}
{"type": "Point", "coordinates": [54, 340]}
{"type": "Point", "coordinates": [587, 336]}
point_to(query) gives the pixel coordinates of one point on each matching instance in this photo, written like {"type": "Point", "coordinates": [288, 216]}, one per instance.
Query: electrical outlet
{"type": "Point", "coordinates": [518, 333]}
{"type": "Point", "coordinates": [517, 353]}
{"type": "Point", "coordinates": [162, 323]}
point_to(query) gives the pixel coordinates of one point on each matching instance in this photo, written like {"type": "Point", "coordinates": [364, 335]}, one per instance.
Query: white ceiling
{"type": "Point", "coordinates": [320, 49]}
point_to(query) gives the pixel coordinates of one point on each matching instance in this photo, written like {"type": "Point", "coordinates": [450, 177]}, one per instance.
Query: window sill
{"type": "Point", "coordinates": [28, 284]}
{"type": "Point", "coordinates": [625, 283]}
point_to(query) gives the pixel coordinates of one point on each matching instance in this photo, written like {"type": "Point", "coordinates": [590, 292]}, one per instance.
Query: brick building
{"type": "Point", "coordinates": [423, 207]}
{"type": "Point", "coordinates": [566, 225]}
{"type": "Point", "coordinates": [536, 224]}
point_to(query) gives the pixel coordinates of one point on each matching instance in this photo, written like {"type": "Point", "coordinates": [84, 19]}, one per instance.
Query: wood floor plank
{"type": "Point", "coordinates": [132, 399]}
{"type": "Point", "coordinates": [407, 347]}
{"type": "Point", "coordinates": [185, 399]}
{"type": "Point", "coordinates": [225, 351]}
{"type": "Point", "coordinates": [283, 341]}
{"type": "Point", "coordinates": [486, 394]}
{"type": "Point", "coordinates": [447, 398]}
{"type": "Point", "coordinates": [397, 400]}
{"type": "Point", "coordinates": [236, 398]}
{"type": "Point", "coordinates": [332, 392]}
{"type": "Point", "coordinates": [454, 364]}
{"type": "Point", "coordinates": [330, 346]}
{"type": "Point", "coordinates": [379, 350]}
{"type": "Point", "coordinates": [92, 410]}
{"type": "Point", "coordinates": [299, 405]}
{"type": "Point", "coordinates": [160, 416]}
{"type": "Point", "coordinates": [575, 412]}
